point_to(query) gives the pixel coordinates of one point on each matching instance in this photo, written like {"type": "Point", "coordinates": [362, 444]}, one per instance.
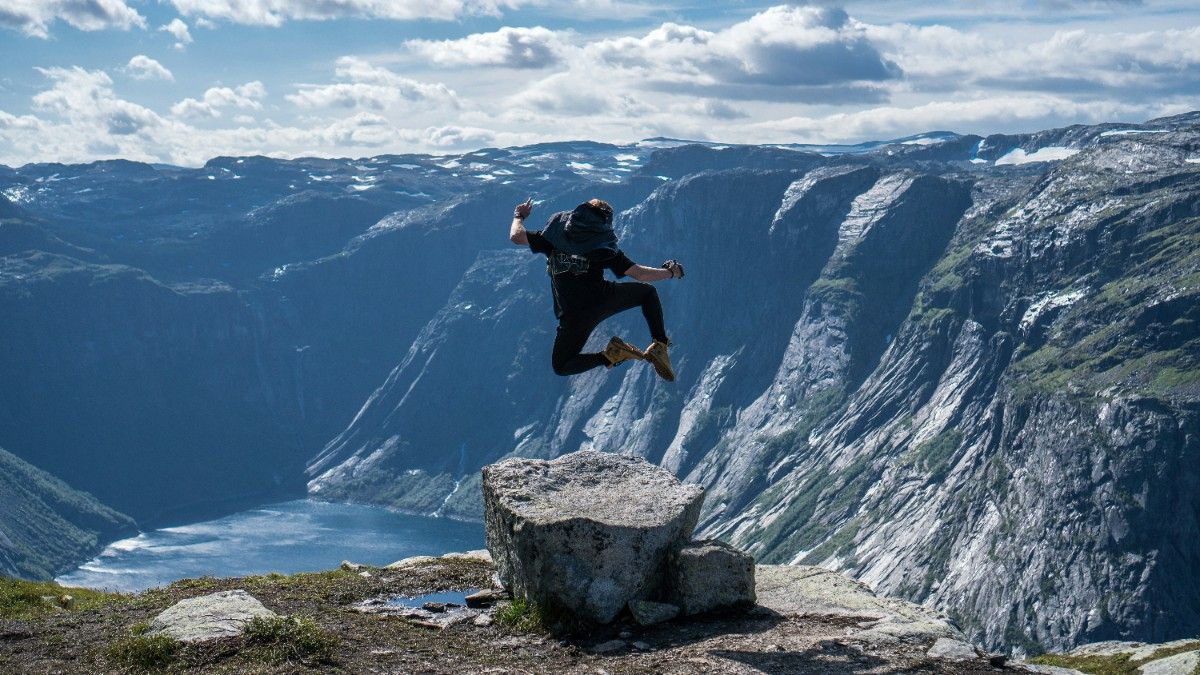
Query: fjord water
{"type": "Point", "coordinates": [288, 537]}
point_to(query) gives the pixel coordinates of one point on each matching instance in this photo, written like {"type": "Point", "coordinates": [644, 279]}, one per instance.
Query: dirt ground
{"type": "Point", "coordinates": [757, 640]}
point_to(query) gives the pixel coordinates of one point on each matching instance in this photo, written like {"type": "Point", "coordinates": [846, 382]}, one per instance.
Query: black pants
{"type": "Point", "coordinates": [574, 328]}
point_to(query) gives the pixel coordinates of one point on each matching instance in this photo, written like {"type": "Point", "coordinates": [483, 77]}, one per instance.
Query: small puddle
{"type": "Point", "coordinates": [440, 609]}
{"type": "Point", "coordinates": [444, 597]}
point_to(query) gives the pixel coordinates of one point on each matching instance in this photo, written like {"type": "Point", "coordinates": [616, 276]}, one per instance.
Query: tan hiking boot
{"type": "Point", "coordinates": [620, 351]}
{"type": "Point", "coordinates": [656, 354]}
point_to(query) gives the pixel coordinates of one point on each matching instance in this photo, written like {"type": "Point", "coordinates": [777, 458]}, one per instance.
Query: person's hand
{"type": "Point", "coordinates": [674, 267]}
{"type": "Point", "coordinates": [523, 209]}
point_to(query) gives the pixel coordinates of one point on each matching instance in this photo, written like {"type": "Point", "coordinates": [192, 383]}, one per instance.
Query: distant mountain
{"type": "Point", "coordinates": [961, 368]}
{"type": "Point", "coordinates": [46, 527]}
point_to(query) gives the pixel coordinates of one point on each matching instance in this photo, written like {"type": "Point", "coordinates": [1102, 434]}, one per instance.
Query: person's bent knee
{"type": "Point", "coordinates": [559, 368]}
{"type": "Point", "coordinates": [644, 289]}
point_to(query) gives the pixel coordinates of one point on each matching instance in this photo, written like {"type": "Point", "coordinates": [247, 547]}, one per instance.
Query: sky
{"type": "Point", "coordinates": [182, 81]}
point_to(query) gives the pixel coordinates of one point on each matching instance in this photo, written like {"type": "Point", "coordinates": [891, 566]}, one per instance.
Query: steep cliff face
{"type": "Point", "coordinates": [154, 397]}
{"type": "Point", "coordinates": [45, 525]}
{"type": "Point", "coordinates": [1025, 453]}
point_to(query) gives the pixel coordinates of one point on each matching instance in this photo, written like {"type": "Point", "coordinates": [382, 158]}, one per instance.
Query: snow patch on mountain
{"type": "Point", "coordinates": [1050, 153]}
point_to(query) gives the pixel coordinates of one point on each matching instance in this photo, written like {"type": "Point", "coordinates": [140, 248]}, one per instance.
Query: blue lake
{"type": "Point", "coordinates": [289, 537]}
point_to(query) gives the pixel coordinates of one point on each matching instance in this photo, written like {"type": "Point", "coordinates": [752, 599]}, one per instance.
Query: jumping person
{"type": "Point", "coordinates": [579, 245]}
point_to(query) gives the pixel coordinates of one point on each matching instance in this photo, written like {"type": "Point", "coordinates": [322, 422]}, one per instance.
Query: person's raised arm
{"type": "Point", "coordinates": [516, 232]}
{"type": "Point", "coordinates": [670, 270]}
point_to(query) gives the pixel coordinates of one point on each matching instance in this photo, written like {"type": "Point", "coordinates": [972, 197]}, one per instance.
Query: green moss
{"type": "Point", "coordinates": [1169, 378]}
{"type": "Point", "coordinates": [20, 599]}
{"type": "Point", "coordinates": [841, 291]}
{"type": "Point", "coordinates": [144, 652]}
{"type": "Point", "coordinates": [281, 638]}
{"type": "Point", "coordinates": [1115, 664]}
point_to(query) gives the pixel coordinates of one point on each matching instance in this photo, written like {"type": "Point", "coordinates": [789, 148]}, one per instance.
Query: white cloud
{"type": "Point", "coordinates": [934, 57]}
{"type": "Point", "coordinates": [142, 67]}
{"type": "Point", "coordinates": [781, 53]}
{"type": "Point", "coordinates": [179, 29]}
{"type": "Point", "coordinates": [215, 98]}
{"type": "Point", "coordinates": [373, 87]}
{"type": "Point", "coordinates": [33, 17]}
{"type": "Point", "coordinates": [276, 12]}
{"type": "Point", "coordinates": [86, 97]}
{"type": "Point", "coordinates": [458, 137]}
{"type": "Point", "coordinates": [786, 74]}
{"type": "Point", "coordinates": [508, 47]}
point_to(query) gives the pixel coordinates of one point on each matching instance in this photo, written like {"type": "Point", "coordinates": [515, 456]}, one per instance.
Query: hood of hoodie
{"type": "Point", "coordinates": [582, 230]}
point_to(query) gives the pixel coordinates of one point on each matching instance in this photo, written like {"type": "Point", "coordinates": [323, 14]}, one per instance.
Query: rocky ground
{"type": "Point", "coordinates": [807, 621]}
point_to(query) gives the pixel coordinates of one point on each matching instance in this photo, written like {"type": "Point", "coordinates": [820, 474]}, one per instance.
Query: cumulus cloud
{"type": "Point", "coordinates": [276, 12]}
{"type": "Point", "coordinates": [33, 17]}
{"type": "Point", "coordinates": [142, 67]}
{"type": "Point", "coordinates": [784, 52]}
{"type": "Point", "coordinates": [86, 98]}
{"type": "Point", "coordinates": [535, 47]}
{"type": "Point", "coordinates": [247, 95]}
{"type": "Point", "coordinates": [373, 87]}
{"type": "Point", "coordinates": [179, 29]}
{"type": "Point", "coordinates": [451, 136]}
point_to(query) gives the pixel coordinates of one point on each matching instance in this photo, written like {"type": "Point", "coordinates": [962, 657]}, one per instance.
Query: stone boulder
{"type": "Point", "coordinates": [586, 532]}
{"type": "Point", "coordinates": [708, 575]}
{"type": "Point", "coordinates": [209, 616]}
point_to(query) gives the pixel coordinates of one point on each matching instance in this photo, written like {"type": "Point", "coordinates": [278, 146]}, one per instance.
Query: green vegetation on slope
{"type": "Point", "coordinates": [1140, 330]}
{"type": "Point", "coordinates": [1110, 664]}
{"type": "Point", "coordinates": [20, 599]}
{"type": "Point", "coordinates": [46, 526]}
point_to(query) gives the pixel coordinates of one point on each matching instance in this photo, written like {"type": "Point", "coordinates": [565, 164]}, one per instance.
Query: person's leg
{"type": "Point", "coordinates": [566, 358]}
{"type": "Point", "coordinates": [634, 294]}
{"type": "Point", "coordinates": [629, 294]}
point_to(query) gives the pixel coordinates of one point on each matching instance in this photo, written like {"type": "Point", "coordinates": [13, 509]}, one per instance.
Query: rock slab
{"type": "Point", "coordinates": [209, 616]}
{"type": "Point", "coordinates": [586, 532]}
{"type": "Point", "coordinates": [1178, 664]}
{"type": "Point", "coordinates": [710, 574]}
{"type": "Point", "coordinates": [952, 650]}
{"type": "Point", "coordinates": [802, 590]}
{"type": "Point", "coordinates": [648, 613]}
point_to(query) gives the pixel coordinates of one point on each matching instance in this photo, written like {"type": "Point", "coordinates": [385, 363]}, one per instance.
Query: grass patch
{"type": "Point", "coordinates": [282, 638]}
{"type": "Point", "coordinates": [1112, 664]}
{"type": "Point", "coordinates": [144, 652]}
{"type": "Point", "coordinates": [525, 615]}
{"type": "Point", "coordinates": [21, 599]}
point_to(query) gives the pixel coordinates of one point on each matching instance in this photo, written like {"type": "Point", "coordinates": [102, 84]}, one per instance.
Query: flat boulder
{"type": "Point", "coordinates": [801, 590]}
{"type": "Point", "coordinates": [208, 617]}
{"type": "Point", "coordinates": [709, 575]}
{"type": "Point", "coordinates": [587, 532]}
